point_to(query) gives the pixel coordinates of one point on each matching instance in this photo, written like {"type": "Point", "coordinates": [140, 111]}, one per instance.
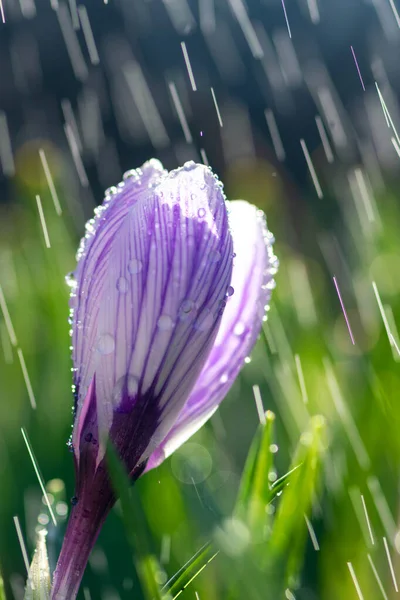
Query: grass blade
{"type": "Point", "coordinates": [179, 582]}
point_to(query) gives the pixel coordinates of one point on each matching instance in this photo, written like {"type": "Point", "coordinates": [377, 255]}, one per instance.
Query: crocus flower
{"type": "Point", "coordinates": [151, 358]}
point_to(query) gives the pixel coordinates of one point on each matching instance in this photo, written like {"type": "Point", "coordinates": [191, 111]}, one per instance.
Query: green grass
{"type": "Point", "coordinates": [240, 530]}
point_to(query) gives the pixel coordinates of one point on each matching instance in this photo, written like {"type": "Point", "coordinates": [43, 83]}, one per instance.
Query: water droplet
{"type": "Point", "coordinates": [204, 321]}
{"type": "Point", "coordinates": [135, 266]}
{"type": "Point", "coordinates": [230, 291]}
{"type": "Point", "coordinates": [106, 344]}
{"type": "Point", "coordinates": [186, 308]}
{"type": "Point", "coordinates": [70, 280]}
{"type": "Point", "coordinates": [165, 323]}
{"type": "Point", "coordinates": [193, 196]}
{"type": "Point", "coordinates": [214, 256]}
{"type": "Point", "coordinates": [74, 500]}
{"type": "Point", "coordinates": [247, 360]}
{"type": "Point", "coordinates": [272, 476]}
{"type": "Point", "coordinates": [189, 165]}
{"type": "Point", "coordinates": [122, 285]}
{"type": "Point", "coordinates": [201, 213]}
{"type": "Point", "coordinates": [239, 329]}
{"type": "Point", "coordinates": [111, 191]}
{"type": "Point", "coordinates": [131, 174]}
{"type": "Point", "coordinates": [271, 285]}
{"type": "Point", "coordinates": [224, 378]}
{"type": "Point", "coordinates": [88, 437]}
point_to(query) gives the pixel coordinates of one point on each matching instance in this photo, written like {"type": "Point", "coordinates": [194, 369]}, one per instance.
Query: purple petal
{"type": "Point", "coordinates": [252, 282]}
{"type": "Point", "coordinates": [150, 283]}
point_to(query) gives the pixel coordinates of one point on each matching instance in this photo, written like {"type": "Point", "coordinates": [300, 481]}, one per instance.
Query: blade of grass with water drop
{"type": "Point", "coordinates": [278, 486]}
{"type": "Point", "coordinates": [289, 531]}
{"type": "Point", "coordinates": [254, 491]}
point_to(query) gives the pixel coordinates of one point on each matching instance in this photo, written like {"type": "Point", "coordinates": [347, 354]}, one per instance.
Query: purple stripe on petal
{"type": "Point", "coordinates": [252, 282]}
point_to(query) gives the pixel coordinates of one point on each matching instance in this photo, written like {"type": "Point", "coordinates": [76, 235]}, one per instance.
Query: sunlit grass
{"type": "Point", "coordinates": [336, 418]}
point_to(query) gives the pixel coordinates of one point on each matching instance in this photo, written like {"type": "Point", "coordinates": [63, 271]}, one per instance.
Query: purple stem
{"type": "Point", "coordinates": [86, 519]}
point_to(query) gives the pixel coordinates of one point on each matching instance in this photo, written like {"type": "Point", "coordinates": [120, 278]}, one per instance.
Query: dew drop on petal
{"type": "Point", "coordinates": [201, 213]}
{"type": "Point", "coordinates": [214, 256]}
{"type": "Point", "coordinates": [134, 266]}
{"type": "Point", "coordinates": [111, 191]}
{"type": "Point", "coordinates": [230, 291]}
{"type": "Point", "coordinates": [122, 285]}
{"type": "Point", "coordinates": [106, 344]}
{"type": "Point", "coordinates": [239, 329]}
{"type": "Point", "coordinates": [186, 308]}
{"type": "Point", "coordinates": [70, 279]}
{"type": "Point", "coordinates": [131, 174]}
{"type": "Point", "coordinates": [224, 378]}
{"type": "Point", "coordinates": [165, 323]}
{"type": "Point", "coordinates": [189, 165]}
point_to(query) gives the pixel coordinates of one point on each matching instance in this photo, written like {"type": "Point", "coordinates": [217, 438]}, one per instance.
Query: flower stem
{"type": "Point", "coordinates": [85, 521]}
